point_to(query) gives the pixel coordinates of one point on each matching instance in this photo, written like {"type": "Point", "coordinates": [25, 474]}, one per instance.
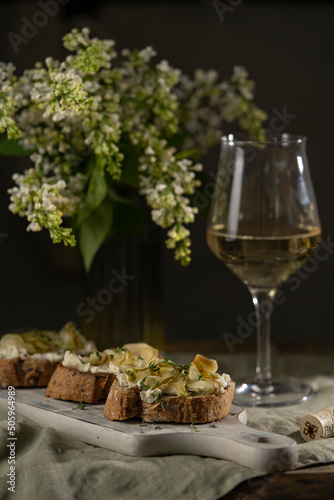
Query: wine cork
{"type": "Point", "coordinates": [318, 425]}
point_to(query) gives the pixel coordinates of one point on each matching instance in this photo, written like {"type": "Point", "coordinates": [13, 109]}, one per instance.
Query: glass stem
{"type": "Point", "coordinates": [263, 309]}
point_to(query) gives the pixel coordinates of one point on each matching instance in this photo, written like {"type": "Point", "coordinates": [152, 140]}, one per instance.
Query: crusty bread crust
{"type": "Point", "coordinates": [73, 385]}
{"type": "Point", "coordinates": [124, 402]}
{"type": "Point", "coordinates": [25, 372]}
{"type": "Point", "coordinates": [195, 409]}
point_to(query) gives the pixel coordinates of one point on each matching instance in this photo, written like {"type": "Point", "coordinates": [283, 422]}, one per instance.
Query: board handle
{"type": "Point", "coordinates": [258, 449]}
{"type": "Point", "coordinates": [251, 448]}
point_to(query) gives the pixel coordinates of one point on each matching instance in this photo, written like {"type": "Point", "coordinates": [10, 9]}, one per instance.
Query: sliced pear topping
{"type": "Point", "coordinates": [143, 373]}
{"type": "Point", "coordinates": [152, 381]}
{"type": "Point", "coordinates": [202, 386]}
{"type": "Point", "coordinates": [12, 339]}
{"type": "Point", "coordinates": [167, 379]}
{"type": "Point", "coordinates": [148, 354]}
{"type": "Point", "coordinates": [168, 371]}
{"type": "Point", "coordinates": [94, 358]}
{"type": "Point", "coordinates": [176, 386]}
{"type": "Point", "coordinates": [136, 348]}
{"type": "Point", "coordinates": [73, 336]}
{"type": "Point", "coordinates": [41, 341]}
{"type": "Point", "coordinates": [207, 369]}
{"type": "Point", "coordinates": [142, 352]}
{"type": "Point", "coordinates": [205, 365]}
{"type": "Point", "coordinates": [137, 375]}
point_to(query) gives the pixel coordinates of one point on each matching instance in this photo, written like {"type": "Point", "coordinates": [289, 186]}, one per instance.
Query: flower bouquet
{"type": "Point", "coordinates": [96, 123]}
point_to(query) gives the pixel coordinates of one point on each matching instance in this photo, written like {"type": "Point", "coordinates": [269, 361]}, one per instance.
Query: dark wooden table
{"type": "Point", "coordinates": [311, 483]}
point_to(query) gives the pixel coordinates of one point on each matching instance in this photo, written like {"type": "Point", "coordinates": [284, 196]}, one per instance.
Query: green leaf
{"type": "Point", "coordinates": [97, 187]}
{"type": "Point", "coordinates": [12, 147]}
{"type": "Point", "coordinates": [184, 154]}
{"type": "Point", "coordinates": [116, 197]}
{"type": "Point", "coordinates": [93, 231]}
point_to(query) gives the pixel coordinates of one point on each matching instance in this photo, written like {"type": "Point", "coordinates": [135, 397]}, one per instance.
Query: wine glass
{"type": "Point", "coordinates": [263, 225]}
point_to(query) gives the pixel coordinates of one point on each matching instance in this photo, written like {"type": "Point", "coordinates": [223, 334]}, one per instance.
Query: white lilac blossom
{"type": "Point", "coordinates": [42, 204]}
{"type": "Point", "coordinates": [7, 102]}
{"type": "Point", "coordinates": [87, 122]}
{"type": "Point", "coordinates": [207, 103]}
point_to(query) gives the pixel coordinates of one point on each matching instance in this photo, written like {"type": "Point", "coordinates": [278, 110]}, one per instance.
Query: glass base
{"type": "Point", "coordinates": [281, 391]}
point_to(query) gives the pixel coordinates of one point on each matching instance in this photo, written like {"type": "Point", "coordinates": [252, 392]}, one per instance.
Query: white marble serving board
{"type": "Point", "coordinates": [228, 439]}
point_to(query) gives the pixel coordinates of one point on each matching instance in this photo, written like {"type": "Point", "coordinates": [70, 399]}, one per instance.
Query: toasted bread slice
{"type": "Point", "coordinates": [30, 358]}
{"type": "Point", "coordinates": [193, 409]}
{"type": "Point", "coordinates": [25, 372]}
{"type": "Point", "coordinates": [123, 402]}
{"type": "Point", "coordinates": [73, 385]}
{"type": "Point", "coordinates": [166, 392]}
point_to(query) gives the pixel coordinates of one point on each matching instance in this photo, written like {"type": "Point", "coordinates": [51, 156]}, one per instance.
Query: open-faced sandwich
{"type": "Point", "coordinates": [166, 392]}
{"type": "Point", "coordinates": [29, 359]}
{"type": "Point", "coordinates": [88, 378]}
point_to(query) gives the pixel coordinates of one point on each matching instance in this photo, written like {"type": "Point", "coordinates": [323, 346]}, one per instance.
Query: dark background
{"type": "Point", "coordinates": [288, 50]}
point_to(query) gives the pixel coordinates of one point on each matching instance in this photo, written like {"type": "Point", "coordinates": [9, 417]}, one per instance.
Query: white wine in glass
{"type": "Point", "coordinates": [264, 225]}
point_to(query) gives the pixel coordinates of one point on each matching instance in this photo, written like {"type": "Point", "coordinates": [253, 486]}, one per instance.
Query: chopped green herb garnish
{"type": "Point", "coordinates": [157, 427]}
{"type": "Point", "coordinates": [98, 354]}
{"type": "Point", "coordinates": [142, 425]}
{"type": "Point", "coordinates": [233, 413]}
{"type": "Point", "coordinates": [159, 399]}
{"type": "Point", "coordinates": [200, 376]}
{"type": "Point", "coordinates": [168, 361]}
{"type": "Point", "coordinates": [88, 354]}
{"type": "Point", "coordinates": [143, 385]}
{"type": "Point", "coordinates": [131, 375]}
{"type": "Point", "coordinates": [140, 357]}
{"type": "Point", "coordinates": [192, 426]}
{"type": "Point", "coordinates": [154, 367]}
{"type": "Point", "coordinates": [184, 370]}
{"type": "Point", "coordinates": [111, 356]}
{"type": "Point", "coordinates": [39, 334]}
{"type": "Point", "coordinates": [120, 350]}
{"type": "Point", "coordinates": [213, 426]}
{"type": "Point", "coordinates": [156, 383]}
{"type": "Point", "coordinates": [81, 406]}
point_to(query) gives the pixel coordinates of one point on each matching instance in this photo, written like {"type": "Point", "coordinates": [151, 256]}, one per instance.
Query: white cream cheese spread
{"type": "Point", "coordinates": [115, 361]}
